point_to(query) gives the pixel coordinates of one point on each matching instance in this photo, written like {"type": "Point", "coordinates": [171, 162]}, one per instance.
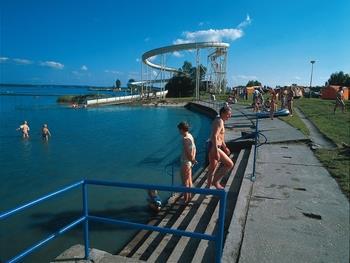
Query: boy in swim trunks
{"type": "Point", "coordinates": [188, 157]}
{"type": "Point", "coordinates": [217, 149]}
{"type": "Point", "coordinates": [25, 129]}
{"type": "Point", "coordinates": [45, 133]}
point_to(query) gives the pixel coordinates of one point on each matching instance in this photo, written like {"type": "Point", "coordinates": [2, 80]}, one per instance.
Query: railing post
{"type": "Point", "coordinates": [220, 231]}
{"type": "Point", "coordinates": [86, 221]}
{"type": "Point", "coordinates": [255, 146]}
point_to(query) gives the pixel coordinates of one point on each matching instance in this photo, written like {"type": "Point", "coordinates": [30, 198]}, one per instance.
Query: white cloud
{"type": "Point", "coordinates": [52, 64]}
{"type": "Point", "coordinates": [147, 39]}
{"type": "Point", "coordinates": [201, 23]}
{"type": "Point", "coordinates": [84, 68]}
{"type": "Point", "coordinates": [214, 35]}
{"type": "Point", "coordinates": [177, 54]}
{"type": "Point", "coordinates": [3, 59]}
{"type": "Point", "coordinates": [297, 78]}
{"type": "Point", "coordinates": [245, 23]}
{"type": "Point", "coordinates": [22, 61]}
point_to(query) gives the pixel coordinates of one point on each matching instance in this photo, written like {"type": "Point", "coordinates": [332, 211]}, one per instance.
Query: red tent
{"type": "Point", "coordinates": [329, 93]}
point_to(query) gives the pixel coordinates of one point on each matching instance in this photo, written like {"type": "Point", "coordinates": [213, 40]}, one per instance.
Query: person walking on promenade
{"type": "Point", "coordinates": [25, 129]}
{"type": "Point", "coordinates": [45, 132]}
{"type": "Point", "coordinates": [339, 100]}
{"type": "Point", "coordinates": [217, 149]}
{"type": "Point", "coordinates": [273, 102]}
{"type": "Point", "coordinates": [188, 157]}
{"type": "Point", "coordinates": [290, 97]}
{"type": "Point", "coordinates": [256, 100]}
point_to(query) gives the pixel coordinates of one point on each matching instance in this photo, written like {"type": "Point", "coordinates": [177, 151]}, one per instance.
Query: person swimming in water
{"type": "Point", "coordinates": [45, 132]}
{"type": "Point", "coordinates": [217, 149]}
{"type": "Point", "coordinates": [154, 201]}
{"type": "Point", "coordinates": [188, 157]}
{"type": "Point", "coordinates": [25, 129]}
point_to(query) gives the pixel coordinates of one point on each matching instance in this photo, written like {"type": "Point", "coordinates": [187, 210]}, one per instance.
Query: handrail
{"type": "Point", "coordinates": [218, 237]}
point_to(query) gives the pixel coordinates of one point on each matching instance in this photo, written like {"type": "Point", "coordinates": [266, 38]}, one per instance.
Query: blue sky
{"type": "Point", "coordinates": [96, 42]}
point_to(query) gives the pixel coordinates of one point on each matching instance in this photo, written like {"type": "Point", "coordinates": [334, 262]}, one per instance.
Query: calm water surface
{"type": "Point", "coordinates": [121, 143]}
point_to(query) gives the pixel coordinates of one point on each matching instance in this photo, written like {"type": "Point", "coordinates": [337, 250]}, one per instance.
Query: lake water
{"type": "Point", "coordinates": [121, 143]}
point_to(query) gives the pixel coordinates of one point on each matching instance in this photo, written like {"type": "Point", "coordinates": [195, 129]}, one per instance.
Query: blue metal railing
{"type": "Point", "coordinates": [218, 237]}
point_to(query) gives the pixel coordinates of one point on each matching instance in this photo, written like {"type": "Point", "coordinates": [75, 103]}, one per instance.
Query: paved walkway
{"type": "Point", "coordinates": [295, 209]}
{"type": "Point", "coordinates": [318, 139]}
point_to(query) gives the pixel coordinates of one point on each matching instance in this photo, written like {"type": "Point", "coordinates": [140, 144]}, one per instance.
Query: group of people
{"type": "Point", "coordinates": [286, 96]}
{"type": "Point", "coordinates": [218, 152]}
{"type": "Point", "coordinates": [24, 128]}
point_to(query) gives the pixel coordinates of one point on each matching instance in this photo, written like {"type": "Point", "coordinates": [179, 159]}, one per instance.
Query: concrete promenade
{"type": "Point", "coordinates": [294, 211]}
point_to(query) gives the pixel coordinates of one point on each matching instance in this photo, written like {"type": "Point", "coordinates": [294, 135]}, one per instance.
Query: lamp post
{"type": "Point", "coordinates": [312, 70]}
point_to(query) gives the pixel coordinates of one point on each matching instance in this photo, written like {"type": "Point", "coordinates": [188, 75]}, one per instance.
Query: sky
{"type": "Point", "coordinates": [96, 42]}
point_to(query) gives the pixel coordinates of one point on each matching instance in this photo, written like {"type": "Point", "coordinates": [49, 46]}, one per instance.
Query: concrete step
{"type": "Point", "coordinates": [165, 217]}
{"type": "Point", "coordinates": [200, 216]}
{"type": "Point", "coordinates": [170, 221]}
{"type": "Point", "coordinates": [179, 252]}
{"type": "Point", "coordinates": [76, 253]}
{"type": "Point", "coordinates": [205, 251]}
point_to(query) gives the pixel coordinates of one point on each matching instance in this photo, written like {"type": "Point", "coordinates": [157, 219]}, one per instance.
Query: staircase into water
{"type": "Point", "coordinates": [200, 215]}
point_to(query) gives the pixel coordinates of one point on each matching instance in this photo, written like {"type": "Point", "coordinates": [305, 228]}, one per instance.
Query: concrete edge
{"type": "Point", "coordinates": [235, 232]}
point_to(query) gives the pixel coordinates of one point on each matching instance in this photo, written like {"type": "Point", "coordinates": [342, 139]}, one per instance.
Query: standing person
{"type": "Point", "coordinates": [45, 132]}
{"type": "Point", "coordinates": [188, 157]}
{"type": "Point", "coordinates": [290, 97]}
{"type": "Point", "coordinates": [256, 100]}
{"type": "Point", "coordinates": [217, 149]}
{"type": "Point", "coordinates": [272, 103]}
{"type": "Point", "coordinates": [245, 93]}
{"type": "Point", "coordinates": [25, 129]}
{"type": "Point", "coordinates": [339, 100]}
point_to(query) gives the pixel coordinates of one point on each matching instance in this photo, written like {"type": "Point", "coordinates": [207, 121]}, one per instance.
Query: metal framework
{"type": "Point", "coordinates": [217, 61]}
{"type": "Point", "coordinates": [156, 70]}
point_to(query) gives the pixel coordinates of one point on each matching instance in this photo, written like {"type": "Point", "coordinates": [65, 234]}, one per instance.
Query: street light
{"type": "Point", "coordinates": [312, 69]}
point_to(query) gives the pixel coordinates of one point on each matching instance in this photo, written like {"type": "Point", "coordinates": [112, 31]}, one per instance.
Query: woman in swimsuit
{"type": "Point", "coordinates": [188, 157]}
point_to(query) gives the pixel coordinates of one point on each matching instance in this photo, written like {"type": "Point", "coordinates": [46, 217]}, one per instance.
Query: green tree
{"type": "Point", "coordinates": [180, 86]}
{"type": "Point", "coordinates": [339, 78]}
{"type": "Point", "coordinates": [184, 82]}
{"type": "Point", "coordinates": [187, 67]}
{"type": "Point", "coordinates": [253, 83]}
{"type": "Point", "coordinates": [118, 84]}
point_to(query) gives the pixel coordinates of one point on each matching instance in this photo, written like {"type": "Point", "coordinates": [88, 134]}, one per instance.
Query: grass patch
{"type": "Point", "coordinates": [334, 126]}
{"type": "Point", "coordinates": [337, 163]}
{"type": "Point", "coordinates": [296, 122]}
{"type": "Point", "coordinates": [320, 112]}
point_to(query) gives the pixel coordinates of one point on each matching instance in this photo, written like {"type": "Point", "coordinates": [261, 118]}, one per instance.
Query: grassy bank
{"type": "Point", "coordinates": [334, 126]}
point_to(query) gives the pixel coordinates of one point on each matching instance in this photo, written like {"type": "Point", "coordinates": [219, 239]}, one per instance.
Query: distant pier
{"type": "Point", "coordinates": [124, 99]}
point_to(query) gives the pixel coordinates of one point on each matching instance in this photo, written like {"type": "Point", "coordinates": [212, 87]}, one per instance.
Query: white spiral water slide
{"type": "Point", "coordinates": [173, 48]}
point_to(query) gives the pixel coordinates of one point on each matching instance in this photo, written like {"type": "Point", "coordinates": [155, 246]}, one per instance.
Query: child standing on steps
{"type": "Point", "coordinates": [188, 157]}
